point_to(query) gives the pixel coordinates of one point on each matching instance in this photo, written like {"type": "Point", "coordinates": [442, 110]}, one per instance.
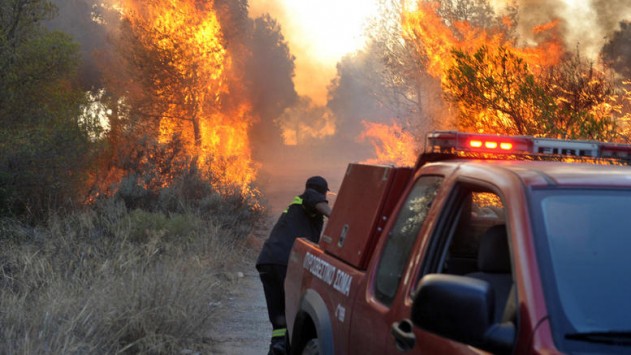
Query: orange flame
{"type": "Point", "coordinates": [424, 29]}
{"type": "Point", "coordinates": [188, 36]}
{"type": "Point", "coordinates": [434, 41]}
{"type": "Point", "coordinates": [392, 144]}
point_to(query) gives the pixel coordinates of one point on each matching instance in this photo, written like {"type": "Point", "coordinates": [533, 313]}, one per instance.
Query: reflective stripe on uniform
{"type": "Point", "coordinates": [279, 332]}
{"type": "Point", "coordinates": [297, 201]}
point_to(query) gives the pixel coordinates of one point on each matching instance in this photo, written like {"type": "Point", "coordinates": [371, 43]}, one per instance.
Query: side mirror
{"type": "Point", "coordinates": [462, 309]}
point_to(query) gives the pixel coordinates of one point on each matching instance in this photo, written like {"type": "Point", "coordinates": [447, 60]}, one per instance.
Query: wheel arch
{"type": "Point", "coordinates": [312, 320]}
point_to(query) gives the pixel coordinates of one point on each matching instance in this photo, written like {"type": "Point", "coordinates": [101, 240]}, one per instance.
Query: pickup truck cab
{"type": "Point", "coordinates": [490, 244]}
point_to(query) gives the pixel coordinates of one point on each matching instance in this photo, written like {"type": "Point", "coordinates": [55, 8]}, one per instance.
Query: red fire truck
{"type": "Point", "coordinates": [490, 244]}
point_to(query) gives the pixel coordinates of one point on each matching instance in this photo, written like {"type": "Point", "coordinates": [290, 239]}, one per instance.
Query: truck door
{"type": "Point", "coordinates": [371, 318]}
{"type": "Point", "coordinates": [470, 239]}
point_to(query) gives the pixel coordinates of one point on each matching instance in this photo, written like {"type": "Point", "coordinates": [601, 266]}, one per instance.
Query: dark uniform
{"type": "Point", "coordinates": [300, 219]}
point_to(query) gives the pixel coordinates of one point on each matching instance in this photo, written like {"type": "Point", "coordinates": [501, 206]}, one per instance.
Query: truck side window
{"type": "Point", "coordinates": [479, 211]}
{"type": "Point", "coordinates": [402, 236]}
{"type": "Point", "coordinates": [474, 243]}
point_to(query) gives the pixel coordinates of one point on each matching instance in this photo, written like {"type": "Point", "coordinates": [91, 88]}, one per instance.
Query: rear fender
{"type": "Point", "coordinates": [313, 307]}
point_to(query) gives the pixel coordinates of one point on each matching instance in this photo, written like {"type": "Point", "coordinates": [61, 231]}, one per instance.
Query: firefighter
{"type": "Point", "coordinates": [302, 218]}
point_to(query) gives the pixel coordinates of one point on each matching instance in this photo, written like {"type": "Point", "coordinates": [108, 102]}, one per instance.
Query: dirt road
{"type": "Point", "coordinates": [245, 329]}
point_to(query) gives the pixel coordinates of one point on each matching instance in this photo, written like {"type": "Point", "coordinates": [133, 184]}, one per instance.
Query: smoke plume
{"type": "Point", "coordinates": [585, 25]}
{"type": "Point", "coordinates": [89, 24]}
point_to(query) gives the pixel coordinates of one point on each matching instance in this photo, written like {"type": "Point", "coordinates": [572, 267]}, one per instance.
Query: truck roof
{"type": "Point", "coordinates": [552, 173]}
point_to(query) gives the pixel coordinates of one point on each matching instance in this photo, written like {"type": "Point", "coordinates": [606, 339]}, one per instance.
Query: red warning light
{"type": "Point", "coordinates": [449, 141]}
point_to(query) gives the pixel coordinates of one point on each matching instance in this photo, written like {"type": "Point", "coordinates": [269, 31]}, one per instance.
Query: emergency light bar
{"type": "Point", "coordinates": [613, 150]}
{"type": "Point", "coordinates": [454, 142]}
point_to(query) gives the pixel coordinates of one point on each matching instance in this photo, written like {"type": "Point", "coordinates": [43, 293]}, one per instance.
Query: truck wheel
{"type": "Point", "coordinates": [312, 347]}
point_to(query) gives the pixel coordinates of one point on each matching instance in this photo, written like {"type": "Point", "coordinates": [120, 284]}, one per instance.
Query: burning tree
{"type": "Point", "coordinates": [178, 49]}
{"type": "Point", "coordinates": [488, 78]}
{"type": "Point", "coordinates": [411, 47]}
{"type": "Point", "coordinates": [495, 92]}
{"type": "Point", "coordinates": [499, 87]}
{"type": "Point", "coordinates": [403, 83]}
{"type": "Point", "coordinates": [499, 92]}
{"type": "Point", "coordinates": [179, 74]}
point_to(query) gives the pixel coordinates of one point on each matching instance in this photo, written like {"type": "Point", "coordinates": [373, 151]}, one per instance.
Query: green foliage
{"type": "Point", "coordinates": [497, 92]}
{"type": "Point", "coordinates": [37, 87]}
{"type": "Point", "coordinates": [44, 152]}
{"type": "Point", "coordinates": [19, 23]}
{"type": "Point", "coordinates": [42, 168]}
{"type": "Point", "coordinates": [176, 227]}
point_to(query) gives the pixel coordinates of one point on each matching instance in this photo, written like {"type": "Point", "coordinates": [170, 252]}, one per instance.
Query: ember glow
{"type": "Point", "coordinates": [187, 36]}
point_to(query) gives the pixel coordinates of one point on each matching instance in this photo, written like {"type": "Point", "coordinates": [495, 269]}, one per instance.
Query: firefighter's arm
{"type": "Point", "coordinates": [323, 207]}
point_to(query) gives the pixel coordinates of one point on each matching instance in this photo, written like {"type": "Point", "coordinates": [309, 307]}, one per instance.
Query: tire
{"type": "Point", "coordinates": [312, 347]}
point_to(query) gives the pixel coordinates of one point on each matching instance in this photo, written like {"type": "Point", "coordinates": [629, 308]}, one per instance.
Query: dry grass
{"type": "Point", "coordinates": [109, 281]}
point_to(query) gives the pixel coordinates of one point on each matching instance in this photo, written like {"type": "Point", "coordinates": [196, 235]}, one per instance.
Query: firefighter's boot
{"type": "Point", "coordinates": [278, 345]}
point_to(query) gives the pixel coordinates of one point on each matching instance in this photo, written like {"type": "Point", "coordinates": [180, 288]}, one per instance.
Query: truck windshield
{"type": "Point", "coordinates": [584, 239]}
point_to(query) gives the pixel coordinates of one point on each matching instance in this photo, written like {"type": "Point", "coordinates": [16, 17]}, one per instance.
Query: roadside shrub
{"type": "Point", "coordinates": [172, 228]}
{"type": "Point", "coordinates": [132, 192]}
{"type": "Point", "coordinates": [190, 193]}
{"type": "Point", "coordinates": [109, 280]}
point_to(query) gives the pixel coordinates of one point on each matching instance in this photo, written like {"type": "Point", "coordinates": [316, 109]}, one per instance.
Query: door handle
{"type": "Point", "coordinates": [404, 335]}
